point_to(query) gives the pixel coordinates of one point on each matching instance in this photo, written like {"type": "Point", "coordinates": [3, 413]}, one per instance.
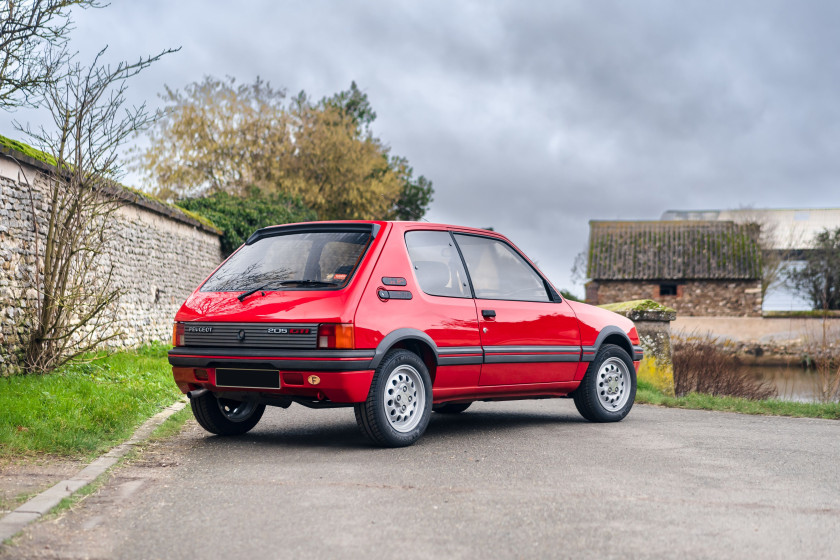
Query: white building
{"type": "Point", "coordinates": [787, 230]}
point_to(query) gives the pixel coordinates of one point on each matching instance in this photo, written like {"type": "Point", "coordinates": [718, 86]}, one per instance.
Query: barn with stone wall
{"type": "Point", "coordinates": [699, 268]}
{"type": "Point", "coordinates": [159, 253]}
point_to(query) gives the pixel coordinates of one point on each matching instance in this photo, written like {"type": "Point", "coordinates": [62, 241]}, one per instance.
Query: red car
{"type": "Point", "coordinates": [396, 319]}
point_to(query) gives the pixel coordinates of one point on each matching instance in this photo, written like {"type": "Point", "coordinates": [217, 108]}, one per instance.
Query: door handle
{"type": "Point", "coordinates": [488, 313]}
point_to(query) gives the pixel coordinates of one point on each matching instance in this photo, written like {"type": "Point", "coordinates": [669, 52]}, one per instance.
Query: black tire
{"type": "Point", "coordinates": [226, 417]}
{"type": "Point", "coordinates": [451, 408]}
{"type": "Point", "coordinates": [401, 420]}
{"type": "Point", "coordinates": [608, 389]}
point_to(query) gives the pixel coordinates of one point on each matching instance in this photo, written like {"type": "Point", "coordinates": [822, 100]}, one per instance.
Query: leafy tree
{"type": "Point", "coordinates": [240, 216]}
{"type": "Point", "coordinates": [337, 172]}
{"type": "Point", "coordinates": [33, 36]}
{"type": "Point", "coordinates": [215, 136]}
{"type": "Point", "coordinates": [354, 103]}
{"type": "Point", "coordinates": [569, 295]}
{"type": "Point", "coordinates": [415, 194]}
{"type": "Point", "coordinates": [819, 279]}
{"type": "Point", "coordinates": [220, 136]}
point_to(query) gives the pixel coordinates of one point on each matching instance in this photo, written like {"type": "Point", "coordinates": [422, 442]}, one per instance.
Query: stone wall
{"type": "Point", "coordinates": [708, 298]}
{"type": "Point", "coordinates": [159, 255]}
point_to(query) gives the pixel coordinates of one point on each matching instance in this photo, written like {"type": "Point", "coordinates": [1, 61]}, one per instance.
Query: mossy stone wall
{"type": "Point", "coordinates": [159, 257]}
{"type": "Point", "coordinates": [653, 323]}
{"type": "Point", "coordinates": [694, 298]}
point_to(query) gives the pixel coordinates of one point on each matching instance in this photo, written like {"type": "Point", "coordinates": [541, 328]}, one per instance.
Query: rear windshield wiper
{"type": "Point", "coordinates": [243, 295]}
{"type": "Point", "coordinates": [317, 283]}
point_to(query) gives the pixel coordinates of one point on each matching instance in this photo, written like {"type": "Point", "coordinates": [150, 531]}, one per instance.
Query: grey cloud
{"type": "Point", "coordinates": [535, 117]}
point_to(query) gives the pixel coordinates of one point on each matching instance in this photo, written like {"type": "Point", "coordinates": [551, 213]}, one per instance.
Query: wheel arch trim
{"type": "Point", "coordinates": [588, 352]}
{"type": "Point", "coordinates": [400, 335]}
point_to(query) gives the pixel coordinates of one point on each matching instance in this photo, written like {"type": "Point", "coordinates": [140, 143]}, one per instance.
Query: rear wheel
{"type": "Point", "coordinates": [451, 408]}
{"type": "Point", "coordinates": [399, 404]}
{"type": "Point", "coordinates": [608, 389]}
{"type": "Point", "coordinates": [226, 417]}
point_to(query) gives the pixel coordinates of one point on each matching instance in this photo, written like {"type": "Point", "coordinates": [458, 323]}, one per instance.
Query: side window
{"type": "Point", "coordinates": [436, 264]}
{"type": "Point", "coordinates": [499, 272]}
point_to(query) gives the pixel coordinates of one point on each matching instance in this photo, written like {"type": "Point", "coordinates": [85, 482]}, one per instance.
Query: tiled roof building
{"type": "Point", "coordinates": [697, 267]}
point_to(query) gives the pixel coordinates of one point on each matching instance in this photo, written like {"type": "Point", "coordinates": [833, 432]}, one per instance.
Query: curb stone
{"type": "Point", "coordinates": [38, 506]}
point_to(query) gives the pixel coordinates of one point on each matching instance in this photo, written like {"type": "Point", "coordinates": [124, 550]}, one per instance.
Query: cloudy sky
{"type": "Point", "coordinates": [536, 117]}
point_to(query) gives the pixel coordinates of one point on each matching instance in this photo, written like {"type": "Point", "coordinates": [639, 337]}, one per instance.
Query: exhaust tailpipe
{"type": "Point", "coordinates": [195, 393]}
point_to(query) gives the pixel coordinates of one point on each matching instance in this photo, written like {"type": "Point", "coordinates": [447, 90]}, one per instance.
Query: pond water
{"type": "Point", "coordinates": [792, 383]}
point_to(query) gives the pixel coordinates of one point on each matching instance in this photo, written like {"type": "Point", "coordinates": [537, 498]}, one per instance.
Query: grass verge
{"type": "Point", "coordinates": [84, 408]}
{"type": "Point", "coordinates": [172, 425]}
{"type": "Point", "coordinates": [648, 394]}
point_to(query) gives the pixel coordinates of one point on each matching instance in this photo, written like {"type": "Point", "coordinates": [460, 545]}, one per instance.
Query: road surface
{"type": "Point", "coordinates": [525, 479]}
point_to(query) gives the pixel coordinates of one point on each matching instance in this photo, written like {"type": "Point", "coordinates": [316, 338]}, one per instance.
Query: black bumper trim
{"type": "Point", "coordinates": [530, 358]}
{"type": "Point", "coordinates": [638, 353]}
{"type": "Point", "coordinates": [460, 360]}
{"type": "Point", "coordinates": [298, 360]}
{"type": "Point", "coordinates": [588, 353]}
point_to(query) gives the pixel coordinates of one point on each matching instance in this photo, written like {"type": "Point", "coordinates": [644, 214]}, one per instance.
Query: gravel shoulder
{"type": "Point", "coordinates": [31, 476]}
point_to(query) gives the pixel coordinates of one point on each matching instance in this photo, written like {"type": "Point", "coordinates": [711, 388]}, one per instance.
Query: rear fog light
{"type": "Point", "coordinates": [293, 378]}
{"type": "Point", "coordinates": [201, 374]}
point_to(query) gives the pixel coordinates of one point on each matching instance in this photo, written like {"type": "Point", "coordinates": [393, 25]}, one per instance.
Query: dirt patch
{"type": "Point", "coordinates": [23, 479]}
{"type": "Point", "coordinates": [92, 528]}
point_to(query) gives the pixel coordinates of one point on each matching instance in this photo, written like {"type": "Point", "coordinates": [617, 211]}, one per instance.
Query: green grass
{"type": "Point", "coordinates": [813, 313]}
{"type": "Point", "coordinates": [648, 394]}
{"type": "Point", "coordinates": [172, 425]}
{"type": "Point", "coordinates": [85, 408]}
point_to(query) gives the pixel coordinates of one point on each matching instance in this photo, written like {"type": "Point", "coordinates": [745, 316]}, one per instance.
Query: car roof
{"type": "Point", "coordinates": [399, 225]}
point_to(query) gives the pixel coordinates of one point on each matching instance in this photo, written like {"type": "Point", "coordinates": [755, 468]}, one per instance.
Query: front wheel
{"type": "Point", "coordinates": [226, 417]}
{"type": "Point", "coordinates": [608, 389]}
{"type": "Point", "coordinates": [399, 404]}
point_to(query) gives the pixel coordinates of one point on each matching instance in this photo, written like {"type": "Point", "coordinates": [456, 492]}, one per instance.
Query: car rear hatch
{"type": "Point", "coordinates": [302, 274]}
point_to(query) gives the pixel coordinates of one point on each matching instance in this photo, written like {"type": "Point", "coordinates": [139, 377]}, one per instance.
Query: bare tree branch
{"type": "Point", "coordinates": [76, 290]}
{"type": "Point", "coordinates": [33, 46]}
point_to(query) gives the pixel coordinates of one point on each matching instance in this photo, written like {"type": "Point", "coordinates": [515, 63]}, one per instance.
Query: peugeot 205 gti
{"type": "Point", "coordinates": [396, 319]}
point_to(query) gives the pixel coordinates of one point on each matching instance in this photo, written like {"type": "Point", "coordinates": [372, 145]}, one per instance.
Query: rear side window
{"type": "Point", "coordinates": [436, 264]}
{"type": "Point", "coordinates": [497, 271]}
{"type": "Point", "coordinates": [302, 260]}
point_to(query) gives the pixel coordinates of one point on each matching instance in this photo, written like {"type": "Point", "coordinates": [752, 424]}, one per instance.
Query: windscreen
{"type": "Point", "coordinates": [303, 260]}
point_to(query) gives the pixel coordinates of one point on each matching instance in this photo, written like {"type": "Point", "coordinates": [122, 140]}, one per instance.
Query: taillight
{"type": "Point", "coordinates": [178, 334]}
{"type": "Point", "coordinates": [331, 335]}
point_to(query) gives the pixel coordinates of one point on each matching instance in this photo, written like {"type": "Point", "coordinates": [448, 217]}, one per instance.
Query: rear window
{"type": "Point", "coordinates": [301, 260]}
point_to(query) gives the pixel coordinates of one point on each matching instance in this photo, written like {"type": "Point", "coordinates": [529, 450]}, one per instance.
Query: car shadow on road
{"type": "Point", "coordinates": [339, 434]}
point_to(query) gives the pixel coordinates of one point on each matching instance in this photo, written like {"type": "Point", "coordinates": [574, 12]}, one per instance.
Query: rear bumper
{"type": "Point", "coordinates": [342, 376]}
{"type": "Point", "coordinates": [298, 360]}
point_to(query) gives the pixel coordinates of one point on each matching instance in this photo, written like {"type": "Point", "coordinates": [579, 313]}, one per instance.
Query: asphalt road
{"type": "Point", "coordinates": [525, 479]}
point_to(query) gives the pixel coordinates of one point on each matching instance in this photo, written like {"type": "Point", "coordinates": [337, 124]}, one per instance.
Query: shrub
{"type": "Point", "coordinates": [700, 366]}
{"type": "Point", "coordinates": [240, 216]}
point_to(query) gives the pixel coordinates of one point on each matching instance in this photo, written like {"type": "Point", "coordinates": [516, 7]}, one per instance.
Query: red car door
{"type": "Point", "coordinates": [526, 335]}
